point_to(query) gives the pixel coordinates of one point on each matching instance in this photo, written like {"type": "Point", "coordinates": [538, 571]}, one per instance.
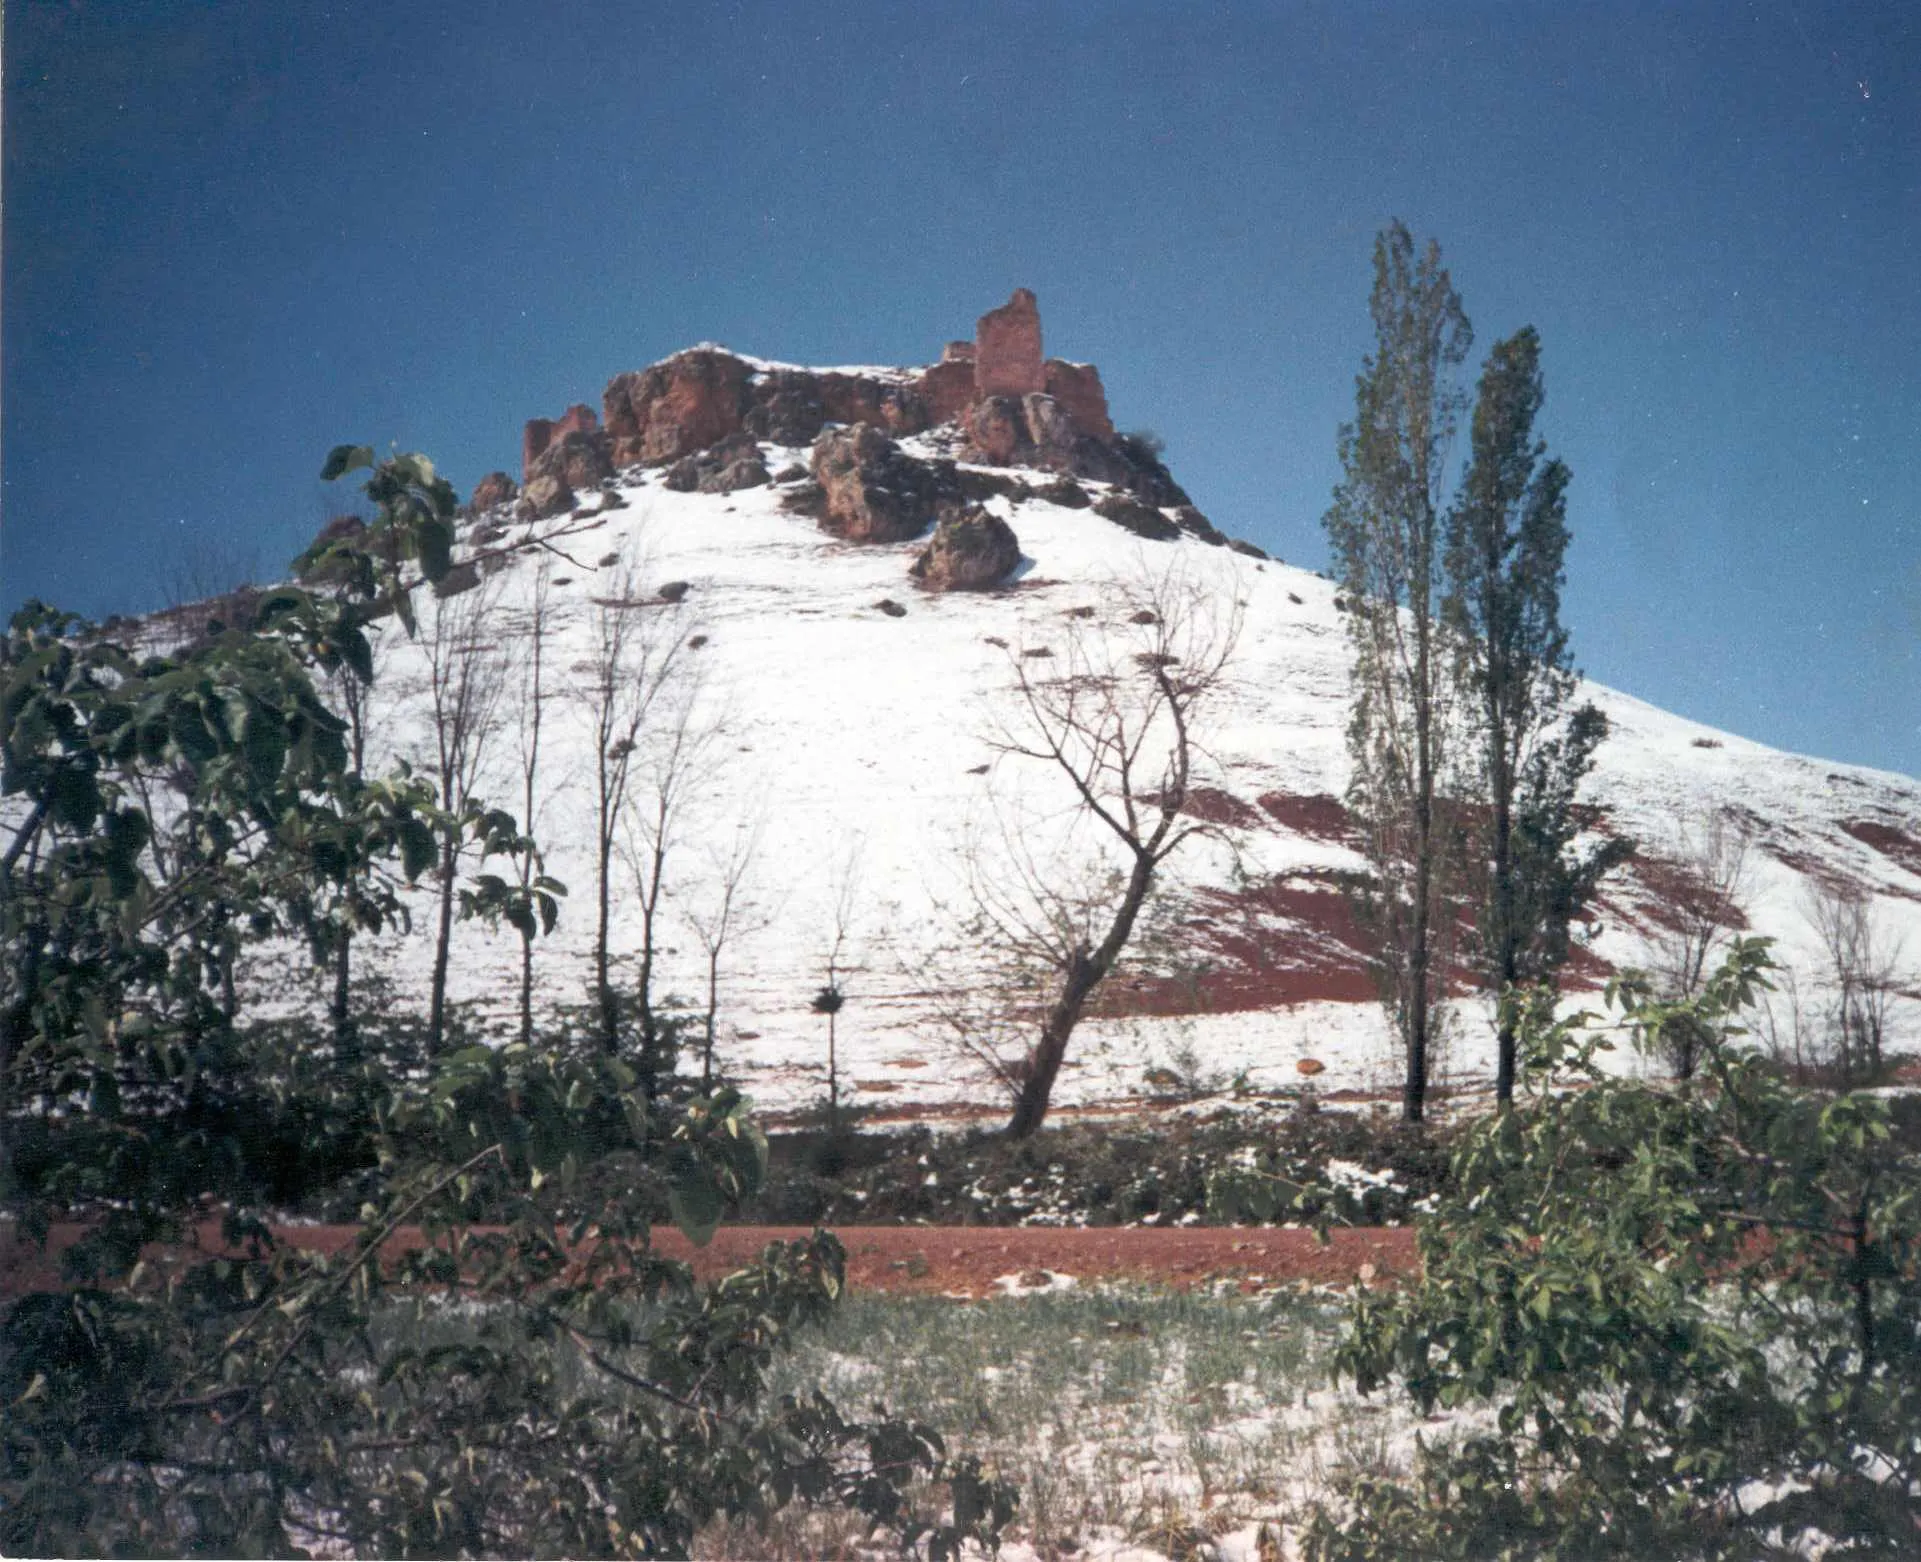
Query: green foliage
{"type": "Point", "coordinates": [1696, 1313]}
{"type": "Point", "coordinates": [1385, 531]}
{"type": "Point", "coordinates": [414, 510]}
{"type": "Point", "coordinates": [1506, 541]}
{"type": "Point", "coordinates": [519, 1388]}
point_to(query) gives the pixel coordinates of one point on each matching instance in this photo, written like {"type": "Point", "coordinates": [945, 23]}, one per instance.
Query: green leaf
{"type": "Point", "coordinates": [435, 540]}
{"type": "Point", "coordinates": [343, 459]}
{"type": "Point", "coordinates": [696, 1204]}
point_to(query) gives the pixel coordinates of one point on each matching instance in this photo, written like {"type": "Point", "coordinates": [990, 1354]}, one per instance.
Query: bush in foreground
{"type": "Point", "coordinates": [1696, 1313]}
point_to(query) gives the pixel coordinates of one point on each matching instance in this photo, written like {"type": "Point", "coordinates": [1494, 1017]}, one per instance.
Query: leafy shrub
{"type": "Point", "coordinates": [1696, 1312]}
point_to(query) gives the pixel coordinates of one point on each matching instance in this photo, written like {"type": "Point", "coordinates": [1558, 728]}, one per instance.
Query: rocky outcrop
{"type": "Point", "coordinates": [544, 497]}
{"type": "Point", "coordinates": [792, 406]}
{"type": "Point", "coordinates": [948, 387]}
{"type": "Point", "coordinates": [1077, 387]}
{"type": "Point", "coordinates": [1141, 519]}
{"type": "Point", "coordinates": [1065, 492]}
{"type": "Point", "coordinates": [702, 412]}
{"type": "Point", "coordinates": [540, 433]}
{"type": "Point", "coordinates": [869, 490]}
{"type": "Point", "coordinates": [691, 401]}
{"type": "Point", "coordinates": [1195, 524]}
{"type": "Point", "coordinates": [1007, 349]}
{"type": "Point", "coordinates": [732, 464]}
{"type": "Point", "coordinates": [996, 430]}
{"type": "Point", "coordinates": [971, 550]}
{"type": "Point", "coordinates": [493, 490]}
{"type": "Point", "coordinates": [580, 458]}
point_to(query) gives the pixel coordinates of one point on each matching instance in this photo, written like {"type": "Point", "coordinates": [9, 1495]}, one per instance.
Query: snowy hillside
{"type": "Point", "coordinates": [854, 745]}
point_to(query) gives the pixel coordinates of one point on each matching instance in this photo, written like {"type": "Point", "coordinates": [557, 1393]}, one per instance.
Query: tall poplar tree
{"type": "Point", "coordinates": [1506, 541]}
{"type": "Point", "coordinates": [1386, 529]}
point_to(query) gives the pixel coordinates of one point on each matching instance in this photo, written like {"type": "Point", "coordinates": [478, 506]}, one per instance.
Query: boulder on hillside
{"type": "Point", "coordinates": [580, 458]}
{"type": "Point", "coordinates": [1007, 349]}
{"type": "Point", "coordinates": [869, 489]}
{"type": "Point", "coordinates": [971, 550]}
{"type": "Point", "coordinates": [1063, 491]}
{"type": "Point", "coordinates": [493, 490]}
{"type": "Point", "coordinates": [546, 496]}
{"type": "Point", "coordinates": [691, 401]}
{"type": "Point", "coordinates": [1141, 519]}
{"type": "Point", "coordinates": [732, 464]}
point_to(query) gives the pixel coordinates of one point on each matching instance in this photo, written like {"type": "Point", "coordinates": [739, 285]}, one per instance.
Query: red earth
{"type": "Point", "coordinates": [925, 1260]}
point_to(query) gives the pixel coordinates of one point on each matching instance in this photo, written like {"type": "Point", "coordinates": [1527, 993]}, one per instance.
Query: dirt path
{"type": "Point", "coordinates": [972, 1261]}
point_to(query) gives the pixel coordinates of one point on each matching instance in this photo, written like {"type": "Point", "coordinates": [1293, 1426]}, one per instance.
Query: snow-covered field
{"type": "Point", "coordinates": [856, 748]}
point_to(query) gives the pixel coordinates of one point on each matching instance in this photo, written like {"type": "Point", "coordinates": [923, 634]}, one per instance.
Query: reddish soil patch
{"type": "Point", "coordinates": [933, 1260]}
{"type": "Point", "coordinates": [1213, 806]}
{"type": "Point", "coordinates": [1283, 942]}
{"type": "Point", "coordinates": [1889, 840]}
{"type": "Point", "coordinates": [1320, 817]}
{"type": "Point", "coordinates": [1674, 891]}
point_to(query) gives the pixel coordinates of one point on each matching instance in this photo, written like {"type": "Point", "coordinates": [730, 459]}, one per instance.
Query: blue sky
{"type": "Point", "coordinates": [238, 234]}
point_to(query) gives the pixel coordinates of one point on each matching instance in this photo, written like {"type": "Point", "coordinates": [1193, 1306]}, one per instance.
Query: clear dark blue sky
{"type": "Point", "coordinates": [236, 234]}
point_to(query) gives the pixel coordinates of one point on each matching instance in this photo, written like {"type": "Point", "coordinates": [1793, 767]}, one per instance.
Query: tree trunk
{"type": "Point", "coordinates": [443, 942]}
{"type": "Point", "coordinates": [713, 1006]}
{"type": "Point", "coordinates": [1414, 1093]}
{"type": "Point", "coordinates": [1085, 972]}
{"type": "Point", "coordinates": [1506, 934]}
{"type": "Point", "coordinates": [340, 1010]}
{"type": "Point", "coordinates": [603, 988]}
{"type": "Point", "coordinates": [526, 989]}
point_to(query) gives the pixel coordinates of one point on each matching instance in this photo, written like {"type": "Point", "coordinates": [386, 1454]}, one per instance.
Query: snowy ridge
{"type": "Point", "coordinates": [857, 745]}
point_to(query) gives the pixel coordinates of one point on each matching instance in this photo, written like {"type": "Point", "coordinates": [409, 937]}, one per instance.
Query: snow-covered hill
{"type": "Point", "coordinates": [855, 745]}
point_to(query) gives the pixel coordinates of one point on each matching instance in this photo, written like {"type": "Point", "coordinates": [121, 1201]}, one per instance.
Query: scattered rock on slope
{"type": "Point", "coordinates": [971, 550]}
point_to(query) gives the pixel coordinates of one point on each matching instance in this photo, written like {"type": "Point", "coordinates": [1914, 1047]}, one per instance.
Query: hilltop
{"type": "Point", "coordinates": [856, 562]}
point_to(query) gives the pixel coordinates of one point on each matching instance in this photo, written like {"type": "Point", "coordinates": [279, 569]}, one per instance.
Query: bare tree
{"type": "Point", "coordinates": [671, 766]}
{"type": "Point", "coordinates": [1701, 914]}
{"type": "Point", "coordinates": [633, 653]}
{"type": "Point", "coordinates": [1863, 975]}
{"type": "Point", "coordinates": [530, 714]}
{"type": "Point", "coordinates": [717, 918]}
{"type": "Point", "coordinates": [1112, 717]}
{"type": "Point", "coordinates": [204, 571]}
{"type": "Point", "coordinates": [843, 906]}
{"type": "Point", "coordinates": [465, 677]}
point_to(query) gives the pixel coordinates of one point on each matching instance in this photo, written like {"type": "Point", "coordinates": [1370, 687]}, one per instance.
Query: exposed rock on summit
{"type": "Point", "coordinates": [578, 458]}
{"type": "Point", "coordinates": [703, 413]}
{"type": "Point", "coordinates": [493, 490]}
{"type": "Point", "coordinates": [691, 401]}
{"type": "Point", "coordinates": [1007, 348]}
{"type": "Point", "coordinates": [541, 433]}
